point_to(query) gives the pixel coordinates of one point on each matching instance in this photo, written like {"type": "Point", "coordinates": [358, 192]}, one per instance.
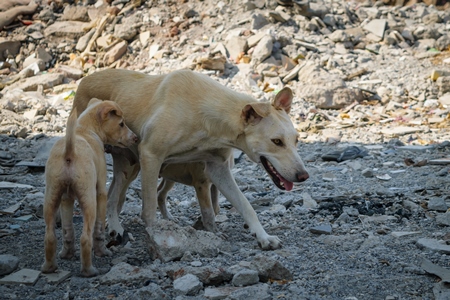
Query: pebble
{"type": "Point", "coordinates": [187, 285]}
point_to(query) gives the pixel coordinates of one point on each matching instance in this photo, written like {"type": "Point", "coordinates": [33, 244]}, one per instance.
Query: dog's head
{"type": "Point", "coordinates": [113, 128]}
{"type": "Point", "coordinates": [271, 139]}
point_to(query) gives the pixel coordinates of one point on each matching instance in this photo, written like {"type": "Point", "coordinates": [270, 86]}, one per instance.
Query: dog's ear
{"type": "Point", "coordinates": [94, 101]}
{"type": "Point", "coordinates": [283, 100]}
{"type": "Point", "coordinates": [253, 113]}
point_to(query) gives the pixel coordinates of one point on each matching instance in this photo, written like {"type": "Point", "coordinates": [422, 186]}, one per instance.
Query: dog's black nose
{"type": "Point", "coordinates": [302, 176]}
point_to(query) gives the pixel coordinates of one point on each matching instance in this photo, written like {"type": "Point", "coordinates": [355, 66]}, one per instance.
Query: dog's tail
{"type": "Point", "coordinates": [70, 134]}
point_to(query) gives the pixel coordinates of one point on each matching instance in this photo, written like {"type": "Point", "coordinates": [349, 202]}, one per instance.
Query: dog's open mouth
{"type": "Point", "coordinates": [281, 182]}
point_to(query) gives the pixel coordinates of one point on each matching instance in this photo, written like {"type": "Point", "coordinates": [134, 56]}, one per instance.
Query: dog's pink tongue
{"type": "Point", "coordinates": [287, 184]}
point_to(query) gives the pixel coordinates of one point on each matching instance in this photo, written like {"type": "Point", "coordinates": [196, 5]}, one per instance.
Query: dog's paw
{"type": "Point", "coordinates": [67, 253]}
{"type": "Point", "coordinates": [49, 267]}
{"type": "Point", "coordinates": [270, 242]}
{"type": "Point", "coordinates": [89, 272]}
{"type": "Point", "coordinates": [102, 251]}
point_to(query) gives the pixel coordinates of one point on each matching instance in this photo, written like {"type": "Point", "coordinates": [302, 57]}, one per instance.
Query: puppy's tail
{"type": "Point", "coordinates": [70, 134]}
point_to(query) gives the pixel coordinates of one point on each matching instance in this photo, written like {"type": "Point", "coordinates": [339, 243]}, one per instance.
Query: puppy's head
{"type": "Point", "coordinates": [110, 118]}
{"type": "Point", "coordinates": [271, 139]}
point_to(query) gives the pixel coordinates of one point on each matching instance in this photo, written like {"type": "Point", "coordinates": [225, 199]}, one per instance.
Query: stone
{"type": "Point", "coordinates": [433, 245]}
{"type": "Point", "coordinates": [57, 277]}
{"type": "Point", "coordinates": [66, 29]}
{"type": "Point", "coordinates": [75, 13]}
{"type": "Point", "coordinates": [254, 39]}
{"type": "Point", "coordinates": [445, 99]}
{"type": "Point", "coordinates": [443, 84]}
{"type": "Point", "coordinates": [41, 53]}
{"type": "Point", "coordinates": [437, 204]}
{"type": "Point", "coordinates": [323, 89]}
{"type": "Point", "coordinates": [321, 229]}
{"type": "Point", "coordinates": [431, 268]}
{"type": "Point", "coordinates": [116, 52]}
{"type": "Point", "coordinates": [151, 291]}
{"type": "Point", "coordinates": [125, 32]}
{"type": "Point", "coordinates": [168, 241]}
{"type": "Point", "coordinates": [24, 276]}
{"type": "Point", "coordinates": [219, 292]}
{"type": "Point", "coordinates": [208, 275]}
{"type": "Point", "coordinates": [126, 273]}
{"type": "Point", "coordinates": [377, 27]}
{"type": "Point", "coordinates": [443, 219]}
{"type": "Point", "coordinates": [84, 40]}
{"type": "Point", "coordinates": [339, 36]}
{"type": "Point", "coordinates": [258, 21]}
{"type": "Point", "coordinates": [367, 173]}
{"type": "Point", "coordinates": [70, 72]}
{"type": "Point", "coordinates": [9, 46]}
{"type": "Point", "coordinates": [33, 60]}
{"type": "Point", "coordinates": [13, 185]}
{"type": "Point", "coordinates": [399, 234]}
{"type": "Point", "coordinates": [441, 291]}
{"type": "Point", "coordinates": [188, 285]}
{"type": "Point", "coordinates": [47, 81]}
{"type": "Point", "coordinates": [400, 130]}
{"type": "Point", "coordinates": [262, 50]}
{"type": "Point", "coordinates": [443, 42]}
{"type": "Point", "coordinates": [235, 46]}
{"type": "Point", "coordinates": [245, 277]}
{"type": "Point", "coordinates": [270, 269]}
{"type": "Point", "coordinates": [8, 263]}
{"type": "Point", "coordinates": [260, 292]}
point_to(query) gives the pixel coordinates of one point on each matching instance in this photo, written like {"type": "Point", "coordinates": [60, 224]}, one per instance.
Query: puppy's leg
{"type": "Point", "coordinates": [99, 230]}
{"type": "Point", "coordinates": [164, 187]}
{"type": "Point", "coordinates": [220, 175]}
{"type": "Point", "coordinates": [51, 204]}
{"type": "Point", "coordinates": [123, 175]}
{"type": "Point", "coordinates": [68, 250]}
{"type": "Point", "coordinates": [89, 207]}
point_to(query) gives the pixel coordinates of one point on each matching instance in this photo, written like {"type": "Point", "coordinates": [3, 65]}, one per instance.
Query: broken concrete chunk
{"type": "Point", "coordinates": [431, 268]}
{"type": "Point", "coordinates": [270, 268]}
{"type": "Point", "coordinates": [8, 263]}
{"type": "Point", "coordinates": [24, 276]}
{"type": "Point", "coordinates": [433, 245]}
{"type": "Point", "coordinates": [188, 285]}
{"type": "Point", "coordinates": [168, 241]}
{"type": "Point", "coordinates": [126, 273]}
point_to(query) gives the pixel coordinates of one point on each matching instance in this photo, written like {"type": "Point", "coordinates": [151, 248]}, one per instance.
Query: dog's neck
{"type": "Point", "coordinates": [90, 133]}
{"type": "Point", "coordinates": [223, 116]}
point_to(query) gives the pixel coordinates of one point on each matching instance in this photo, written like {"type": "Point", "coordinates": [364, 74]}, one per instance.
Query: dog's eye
{"type": "Point", "coordinates": [277, 142]}
{"type": "Point", "coordinates": [121, 124]}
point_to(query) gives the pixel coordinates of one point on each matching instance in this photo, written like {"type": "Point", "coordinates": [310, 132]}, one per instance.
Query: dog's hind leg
{"type": "Point", "coordinates": [51, 204]}
{"type": "Point", "coordinates": [99, 229]}
{"type": "Point", "coordinates": [68, 250]}
{"type": "Point", "coordinates": [164, 187]}
{"type": "Point", "coordinates": [87, 200]}
{"type": "Point", "coordinates": [124, 174]}
{"type": "Point", "coordinates": [203, 191]}
{"type": "Point", "coordinates": [220, 175]}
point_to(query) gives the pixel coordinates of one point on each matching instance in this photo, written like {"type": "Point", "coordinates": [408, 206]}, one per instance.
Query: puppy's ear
{"type": "Point", "coordinates": [94, 101]}
{"type": "Point", "coordinates": [253, 113]}
{"type": "Point", "coordinates": [283, 100]}
{"type": "Point", "coordinates": [105, 112]}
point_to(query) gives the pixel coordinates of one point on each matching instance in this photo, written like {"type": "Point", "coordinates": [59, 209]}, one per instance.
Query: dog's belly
{"type": "Point", "coordinates": [196, 155]}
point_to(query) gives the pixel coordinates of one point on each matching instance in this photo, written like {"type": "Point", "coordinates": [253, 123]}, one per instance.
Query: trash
{"type": "Point", "coordinates": [351, 152]}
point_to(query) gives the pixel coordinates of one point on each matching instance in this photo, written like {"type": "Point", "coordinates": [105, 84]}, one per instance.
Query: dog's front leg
{"type": "Point", "coordinates": [150, 166]}
{"type": "Point", "coordinates": [220, 175]}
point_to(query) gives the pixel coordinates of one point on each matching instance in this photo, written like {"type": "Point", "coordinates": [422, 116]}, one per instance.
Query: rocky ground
{"type": "Point", "coordinates": [366, 74]}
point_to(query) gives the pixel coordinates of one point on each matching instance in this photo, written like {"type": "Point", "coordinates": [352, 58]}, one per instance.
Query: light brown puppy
{"type": "Point", "coordinates": [76, 168]}
{"type": "Point", "coordinates": [185, 117]}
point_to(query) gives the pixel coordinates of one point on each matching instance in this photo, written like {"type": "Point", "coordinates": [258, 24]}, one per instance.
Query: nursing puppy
{"type": "Point", "coordinates": [184, 117]}
{"type": "Point", "coordinates": [76, 168]}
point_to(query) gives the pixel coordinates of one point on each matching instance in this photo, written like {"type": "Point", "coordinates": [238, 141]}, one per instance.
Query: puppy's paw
{"type": "Point", "coordinates": [89, 272]}
{"type": "Point", "coordinates": [270, 242]}
{"type": "Point", "coordinates": [49, 267]}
